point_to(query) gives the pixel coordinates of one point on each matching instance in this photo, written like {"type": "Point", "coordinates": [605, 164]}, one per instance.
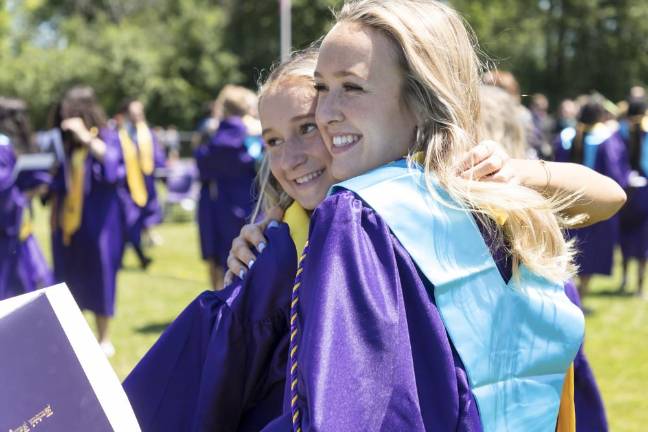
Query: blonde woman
{"type": "Point", "coordinates": [423, 300]}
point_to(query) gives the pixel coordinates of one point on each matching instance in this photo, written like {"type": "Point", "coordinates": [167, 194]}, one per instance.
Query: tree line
{"type": "Point", "coordinates": [176, 54]}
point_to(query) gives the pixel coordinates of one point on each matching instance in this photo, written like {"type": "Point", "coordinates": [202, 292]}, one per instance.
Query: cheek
{"type": "Point", "coordinates": [275, 168]}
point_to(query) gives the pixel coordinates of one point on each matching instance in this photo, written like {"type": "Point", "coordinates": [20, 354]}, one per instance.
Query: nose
{"type": "Point", "coordinates": [293, 155]}
{"type": "Point", "coordinates": [328, 109]}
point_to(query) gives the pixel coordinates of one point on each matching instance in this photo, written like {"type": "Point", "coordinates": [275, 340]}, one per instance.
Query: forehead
{"type": "Point", "coordinates": [289, 98]}
{"type": "Point", "coordinates": [356, 48]}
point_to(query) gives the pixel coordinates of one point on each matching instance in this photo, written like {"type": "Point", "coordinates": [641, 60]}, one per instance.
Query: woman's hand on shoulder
{"type": "Point", "coordinates": [241, 256]}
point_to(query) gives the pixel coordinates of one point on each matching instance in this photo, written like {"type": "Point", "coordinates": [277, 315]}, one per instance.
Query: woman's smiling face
{"type": "Point", "coordinates": [298, 158]}
{"type": "Point", "coordinates": [360, 109]}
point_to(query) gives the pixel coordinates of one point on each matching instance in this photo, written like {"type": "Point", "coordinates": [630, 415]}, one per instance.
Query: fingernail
{"type": "Point", "coordinates": [261, 246]}
{"type": "Point", "coordinates": [250, 264]}
{"type": "Point", "coordinates": [242, 274]}
{"type": "Point", "coordinates": [273, 224]}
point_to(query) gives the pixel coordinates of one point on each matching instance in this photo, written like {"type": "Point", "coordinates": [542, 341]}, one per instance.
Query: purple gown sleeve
{"type": "Point", "coordinates": [221, 364]}
{"type": "Point", "coordinates": [616, 160]}
{"type": "Point", "coordinates": [110, 169]}
{"type": "Point", "coordinates": [373, 352]}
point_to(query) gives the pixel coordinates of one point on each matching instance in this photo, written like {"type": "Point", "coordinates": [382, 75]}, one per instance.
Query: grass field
{"type": "Point", "coordinates": [616, 335]}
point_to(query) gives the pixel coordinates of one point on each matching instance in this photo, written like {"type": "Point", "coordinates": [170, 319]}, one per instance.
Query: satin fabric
{"type": "Point", "coordinates": [373, 352]}
{"type": "Point", "coordinates": [89, 263]}
{"type": "Point", "coordinates": [22, 266]}
{"type": "Point", "coordinates": [220, 366]}
{"type": "Point", "coordinates": [227, 172]}
{"type": "Point", "coordinates": [528, 328]}
{"type": "Point", "coordinates": [596, 242]}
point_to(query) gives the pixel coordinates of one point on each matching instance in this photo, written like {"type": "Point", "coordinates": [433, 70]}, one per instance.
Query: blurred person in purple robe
{"type": "Point", "coordinates": [633, 130]}
{"type": "Point", "coordinates": [142, 154]}
{"type": "Point", "coordinates": [22, 265]}
{"type": "Point", "coordinates": [86, 220]}
{"type": "Point", "coordinates": [593, 144]}
{"type": "Point", "coordinates": [226, 162]}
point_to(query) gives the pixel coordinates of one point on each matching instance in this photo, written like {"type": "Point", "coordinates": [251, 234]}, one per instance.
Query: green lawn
{"type": "Point", "coordinates": [616, 340]}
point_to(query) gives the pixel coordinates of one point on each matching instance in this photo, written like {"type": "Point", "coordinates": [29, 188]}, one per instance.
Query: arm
{"type": "Point", "coordinates": [600, 196]}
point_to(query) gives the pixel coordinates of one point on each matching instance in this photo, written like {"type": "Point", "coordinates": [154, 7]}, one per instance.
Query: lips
{"type": "Point", "coordinates": [308, 177]}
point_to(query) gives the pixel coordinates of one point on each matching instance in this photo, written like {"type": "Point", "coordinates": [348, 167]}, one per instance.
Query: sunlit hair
{"type": "Point", "coordinates": [500, 120]}
{"type": "Point", "coordinates": [236, 101]}
{"type": "Point", "coordinates": [298, 71]}
{"type": "Point", "coordinates": [438, 56]}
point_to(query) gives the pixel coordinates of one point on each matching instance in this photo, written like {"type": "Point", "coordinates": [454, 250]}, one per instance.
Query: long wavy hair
{"type": "Point", "coordinates": [297, 70]}
{"type": "Point", "coordinates": [437, 54]}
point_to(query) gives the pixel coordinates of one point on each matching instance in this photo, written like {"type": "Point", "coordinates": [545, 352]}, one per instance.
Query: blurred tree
{"type": "Point", "coordinates": [253, 30]}
{"type": "Point", "coordinates": [177, 54]}
{"type": "Point", "coordinates": [565, 47]}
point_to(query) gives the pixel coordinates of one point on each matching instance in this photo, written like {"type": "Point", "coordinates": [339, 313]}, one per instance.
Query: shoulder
{"type": "Point", "coordinates": [265, 291]}
{"type": "Point", "coordinates": [343, 207]}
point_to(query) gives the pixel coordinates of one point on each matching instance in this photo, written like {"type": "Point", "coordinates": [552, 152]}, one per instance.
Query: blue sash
{"type": "Point", "coordinates": [516, 339]}
{"type": "Point", "coordinates": [591, 142]}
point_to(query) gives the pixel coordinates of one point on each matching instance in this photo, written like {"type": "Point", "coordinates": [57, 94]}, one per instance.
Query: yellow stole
{"type": "Point", "coordinates": [567, 411]}
{"type": "Point", "coordinates": [134, 175]}
{"type": "Point", "coordinates": [145, 144]}
{"type": "Point", "coordinates": [298, 221]}
{"type": "Point", "coordinates": [26, 228]}
{"type": "Point", "coordinates": [73, 202]}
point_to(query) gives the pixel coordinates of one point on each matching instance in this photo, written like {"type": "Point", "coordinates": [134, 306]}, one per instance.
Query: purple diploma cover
{"type": "Point", "coordinates": [53, 374]}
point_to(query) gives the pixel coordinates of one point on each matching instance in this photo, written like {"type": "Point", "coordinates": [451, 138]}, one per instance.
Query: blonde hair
{"type": "Point", "coordinates": [299, 68]}
{"type": "Point", "coordinates": [441, 69]}
{"type": "Point", "coordinates": [500, 120]}
{"type": "Point", "coordinates": [234, 100]}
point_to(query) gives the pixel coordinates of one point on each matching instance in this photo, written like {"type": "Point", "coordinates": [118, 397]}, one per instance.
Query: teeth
{"type": "Point", "coordinates": [342, 140]}
{"type": "Point", "coordinates": [309, 177]}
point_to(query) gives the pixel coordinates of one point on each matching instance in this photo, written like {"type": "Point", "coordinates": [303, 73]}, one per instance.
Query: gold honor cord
{"type": "Point", "coordinates": [567, 411]}
{"type": "Point", "coordinates": [134, 175]}
{"type": "Point", "coordinates": [293, 345]}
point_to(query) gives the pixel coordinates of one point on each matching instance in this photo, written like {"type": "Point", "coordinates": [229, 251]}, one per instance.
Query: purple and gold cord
{"type": "Point", "coordinates": [294, 410]}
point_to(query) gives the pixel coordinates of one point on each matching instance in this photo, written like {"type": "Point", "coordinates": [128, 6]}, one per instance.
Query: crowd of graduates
{"type": "Point", "coordinates": [101, 191]}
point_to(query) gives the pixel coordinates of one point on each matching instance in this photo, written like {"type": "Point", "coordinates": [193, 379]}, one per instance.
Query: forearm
{"type": "Point", "coordinates": [600, 196]}
{"type": "Point", "coordinates": [97, 148]}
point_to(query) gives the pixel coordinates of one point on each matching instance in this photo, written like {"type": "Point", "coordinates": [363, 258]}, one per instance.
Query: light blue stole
{"type": "Point", "coordinates": [516, 339]}
{"type": "Point", "coordinates": [591, 143]}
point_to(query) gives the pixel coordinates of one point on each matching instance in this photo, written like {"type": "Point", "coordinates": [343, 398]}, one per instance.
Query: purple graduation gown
{"type": "Point", "coordinates": [22, 265]}
{"type": "Point", "coordinates": [221, 364]}
{"type": "Point", "coordinates": [136, 219]}
{"type": "Point", "coordinates": [373, 351]}
{"type": "Point", "coordinates": [596, 242]}
{"type": "Point", "coordinates": [634, 218]}
{"type": "Point", "coordinates": [90, 262]}
{"type": "Point", "coordinates": [152, 212]}
{"type": "Point", "coordinates": [227, 174]}
{"type": "Point", "coordinates": [590, 412]}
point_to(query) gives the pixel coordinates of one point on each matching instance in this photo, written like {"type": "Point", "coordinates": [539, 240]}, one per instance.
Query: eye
{"type": "Point", "coordinates": [319, 87]}
{"type": "Point", "coordinates": [307, 128]}
{"type": "Point", "coordinates": [273, 142]}
{"type": "Point", "coordinates": [351, 87]}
